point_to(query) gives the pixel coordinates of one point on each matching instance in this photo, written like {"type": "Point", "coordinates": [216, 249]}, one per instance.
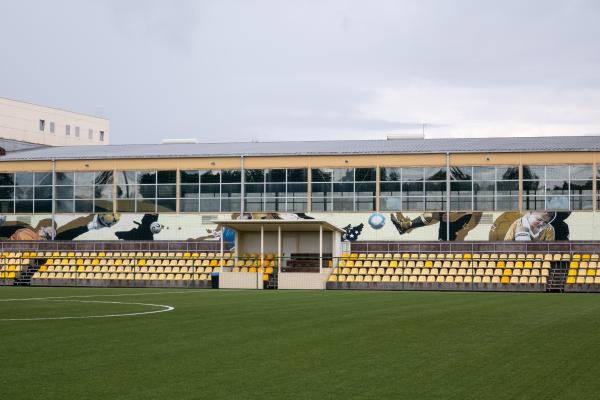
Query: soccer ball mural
{"type": "Point", "coordinates": [377, 220]}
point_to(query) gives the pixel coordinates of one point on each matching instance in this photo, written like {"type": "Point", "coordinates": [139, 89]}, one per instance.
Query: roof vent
{"type": "Point", "coordinates": [407, 135]}
{"type": "Point", "coordinates": [180, 141]}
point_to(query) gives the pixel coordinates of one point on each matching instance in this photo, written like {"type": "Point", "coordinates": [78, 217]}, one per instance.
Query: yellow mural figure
{"type": "Point", "coordinates": [501, 225]}
{"type": "Point", "coordinates": [533, 226]}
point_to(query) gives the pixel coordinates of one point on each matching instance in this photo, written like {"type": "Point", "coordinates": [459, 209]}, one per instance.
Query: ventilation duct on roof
{"type": "Point", "coordinates": [180, 141]}
{"type": "Point", "coordinates": [407, 135]}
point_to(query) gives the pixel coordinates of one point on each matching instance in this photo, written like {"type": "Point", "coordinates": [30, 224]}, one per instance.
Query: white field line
{"type": "Point", "coordinates": [163, 308]}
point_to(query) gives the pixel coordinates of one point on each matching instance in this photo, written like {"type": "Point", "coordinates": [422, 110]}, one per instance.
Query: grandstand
{"type": "Point", "coordinates": [493, 214]}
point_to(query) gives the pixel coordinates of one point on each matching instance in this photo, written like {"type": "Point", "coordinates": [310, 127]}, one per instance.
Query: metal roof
{"type": "Point", "coordinates": [15, 145]}
{"type": "Point", "coordinates": [325, 147]}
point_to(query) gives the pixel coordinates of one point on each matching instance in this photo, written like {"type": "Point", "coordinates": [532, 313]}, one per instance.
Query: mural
{"type": "Point", "coordinates": [531, 226]}
{"type": "Point", "coordinates": [351, 233]}
{"type": "Point", "coordinates": [46, 230]}
{"type": "Point", "coordinates": [461, 223]}
{"type": "Point", "coordinates": [427, 226]}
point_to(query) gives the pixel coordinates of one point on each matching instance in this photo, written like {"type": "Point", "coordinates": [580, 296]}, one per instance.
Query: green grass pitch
{"type": "Point", "coordinates": [298, 345]}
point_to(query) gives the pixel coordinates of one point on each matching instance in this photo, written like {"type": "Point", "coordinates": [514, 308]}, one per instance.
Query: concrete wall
{"type": "Point", "coordinates": [240, 280]}
{"type": "Point", "coordinates": [303, 280]}
{"type": "Point", "coordinates": [21, 121]}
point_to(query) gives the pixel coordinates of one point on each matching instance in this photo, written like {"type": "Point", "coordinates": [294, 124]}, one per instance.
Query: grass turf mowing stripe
{"type": "Point", "coordinates": [304, 344]}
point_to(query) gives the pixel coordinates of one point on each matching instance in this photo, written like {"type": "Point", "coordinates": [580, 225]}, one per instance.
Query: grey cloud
{"type": "Point", "coordinates": [237, 70]}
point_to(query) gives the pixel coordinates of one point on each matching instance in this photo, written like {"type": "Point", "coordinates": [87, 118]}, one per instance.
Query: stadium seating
{"type": "Point", "coordinates": [393, 271]}
{"type": "Point", "coordinates": [11, 265]}
{"type": "Point", "coordinates": [583, 274]}
{"type": "Point", "coordinates": [156, 269]}
{"type": "Point", "coordinates": [444, 271]}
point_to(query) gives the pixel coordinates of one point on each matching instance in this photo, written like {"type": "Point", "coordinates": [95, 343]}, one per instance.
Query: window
{"type": "Point", "coordinates": [90, 134]}
{"type": "Point", "coordinates": [343, 189]}
{"type": "Point", "coordinates": [68, 130]}
{"type": "Point", "coordinates": [412, 189]}
{"type": "Point", "coordinates": [486, 188]}
{"type": "Point", "coordinates": [51, 127]}
{"type": "Point", "coordinates": [42, 125]}
{"type": "Point", "coordinates": [210, 191]}
{"type": "Point", "coordinates": [146, 191]}
{"type": "Point", "coordinates": [276, 190]}
{"type": "Point", "coordinates": [84, 192]}
{"type": "Point", "coordinates": [76, 131]}
{"type": "Point", "coordinates": [102, 136]}
{"type": "Point", "coordinates": [557, 187]}
{"type": "Point", "coordinates": [26, 192]}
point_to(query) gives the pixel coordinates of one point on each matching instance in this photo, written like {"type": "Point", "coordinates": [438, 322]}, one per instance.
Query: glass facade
{"type": "Point", "coordinates": [283, 190]}
{"type": "Point", "coordinates": [557, 187]}
{"type": "Point", "coordinates": [83, 192]}
{"type": "Point", "coordinates": [484, 188]}
{"type": "Point", "coordinates": [146, 191]}
{"type": "Point", "coordinates": [210, 191]}
{"type": "Point", "coordinates": [472, 188]}
{"type": "Point", "coordinates": [343, 189]}
{"type": "Point", "coordinates": [412, 189]}
{"type": "Point", "coordinates": [26, 192]}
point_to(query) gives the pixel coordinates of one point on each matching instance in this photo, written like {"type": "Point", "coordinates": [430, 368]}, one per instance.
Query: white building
{"type": "Point", "coordinates": [50, 126]}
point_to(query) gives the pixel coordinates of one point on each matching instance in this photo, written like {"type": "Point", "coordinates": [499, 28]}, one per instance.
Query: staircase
{"type": "Point", "coordinates": [558, 277]}
{"type": "Point", "coordinates": [24, 278]}
{"type": "Point", "coordinates": [272, 283]}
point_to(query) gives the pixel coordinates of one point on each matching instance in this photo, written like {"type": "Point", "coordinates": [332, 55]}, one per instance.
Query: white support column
{"type": "Point", "coordinates": [447, 197]}
{"type": "Point", "coordinates": [320, 248]}
{"type": "Point", "coordinates": [236, 246]}
{"type": "Point", "coordinates": [262, 256]}
{"type": "Point", "coordinates": [279, 249]}
{"type": "Point", "coordinates": [334, 254]}
{"type": "Point", "coordinates": [221, 260]}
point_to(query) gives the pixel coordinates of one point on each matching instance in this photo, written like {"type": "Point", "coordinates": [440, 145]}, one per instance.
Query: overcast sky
{"type": "Point", "coordinates": [291, 70]}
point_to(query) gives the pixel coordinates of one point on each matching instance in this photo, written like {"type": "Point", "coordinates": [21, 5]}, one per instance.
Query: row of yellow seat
{"type": "Point", "coordinates": [444, 264]}
{"type": "Point", "coordinates": [583, 273]}
{"type": "Point", "coordinates": [271, 256]}
{"type": "Point", "coordinates": [470, 256]}
{"type": "Point", "coordinates": [120, 276]}
{"type": "Point", "coordinates": [113, 254]}
{"type": "Point", "coordinates": [103, 266]}
{"type": "Point", "coordinates": [40, 277]}
{"type": "Point", "coordinates": [431, 279]}
{"type": "Point", "coordinates": [138, 262]}
{"type": "Point", "coordinates": [12, 268]}
{"type": "Point", "coordinates": [125, 269]}
{"type": "Point", "coordinates": [4, 261]}
{"type": "Point", "coordinates": [443, 271]}
{"type": "Point", "coordinates": [8, 275]}
{"type": "Point", "coordinates": [583, 280]}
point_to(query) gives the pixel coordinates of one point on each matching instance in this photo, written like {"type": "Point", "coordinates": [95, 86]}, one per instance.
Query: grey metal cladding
{"type": "Point", "coordinates": [326, 147]}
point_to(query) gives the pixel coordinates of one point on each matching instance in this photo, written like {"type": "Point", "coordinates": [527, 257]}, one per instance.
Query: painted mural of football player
{"type": "Point", "coordinates": [460, 223]}
{"type": "Point", "coordinates": [145, 230]}
{"type": "Point", "coordinates": [18, 230]}
{"type": "Point", "coordinates": [81, 225]}
{"type": "Point", "coordinates": [46, 230]}
{"type": "Point", "coordinates": [533, 226]}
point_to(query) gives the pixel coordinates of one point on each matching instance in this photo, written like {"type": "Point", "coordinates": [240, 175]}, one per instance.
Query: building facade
{"type": "Point", "coordinates": [49, 126]}
{"type": "Point", "coordinates": [530, 189]}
